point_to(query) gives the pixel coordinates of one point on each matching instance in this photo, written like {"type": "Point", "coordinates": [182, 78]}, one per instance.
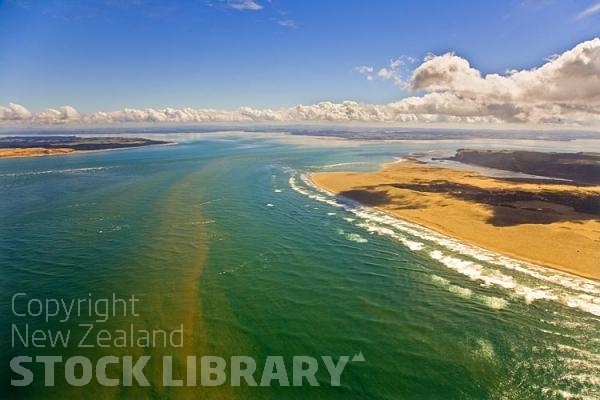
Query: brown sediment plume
{"type": "Point", "coordinates": [551, 224]}
{"type": "Point", "coordinates": [168, 297]}
{"type": "Point", "coordinates": [177, 300]}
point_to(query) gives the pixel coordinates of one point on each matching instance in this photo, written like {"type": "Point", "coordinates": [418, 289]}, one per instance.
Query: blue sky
{"type": "Point", "coordinates": [107, 55]}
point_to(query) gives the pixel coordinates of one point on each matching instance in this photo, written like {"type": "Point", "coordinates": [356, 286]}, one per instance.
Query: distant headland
{"type": "Point", "coordinates": [582, 168]}
{"type": "Point", "coordinates": [33, 146]}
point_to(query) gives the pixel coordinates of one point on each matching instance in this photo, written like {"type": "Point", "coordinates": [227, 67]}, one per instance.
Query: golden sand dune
{"type": "Point", "coordinates": [551, 224]}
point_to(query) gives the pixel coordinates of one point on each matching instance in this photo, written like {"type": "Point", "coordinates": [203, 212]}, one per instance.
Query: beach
{"type": "Point", "coordinates": [33, 152]}
{"type": "Point", "coordinates": [550, 224]}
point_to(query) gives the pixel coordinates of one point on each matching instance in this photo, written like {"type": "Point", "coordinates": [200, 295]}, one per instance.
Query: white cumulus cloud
{"type": "Point", "coordinates": [14, 112]}
{"type": "Point", "coordinates": [564, 90]}
{"type": "Point", "coordinates": [396, 71]}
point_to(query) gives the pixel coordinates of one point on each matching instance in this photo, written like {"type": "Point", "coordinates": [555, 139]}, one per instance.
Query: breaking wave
{"type": "Point", "coordinates": [56, 171]}
{"type": "Point", "coordinates": [520, 279]}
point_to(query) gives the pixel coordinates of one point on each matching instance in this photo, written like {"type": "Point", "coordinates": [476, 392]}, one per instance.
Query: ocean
{"type": "Point", "coordinates": [225, 234]}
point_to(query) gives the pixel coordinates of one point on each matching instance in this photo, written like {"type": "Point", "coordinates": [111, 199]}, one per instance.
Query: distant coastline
{"type": "Point", "coordinates": [550, 223]}
{"type": "Point", "coordinates": [36, 146]}
{"type": "Point", "coordinates": [582, 168]}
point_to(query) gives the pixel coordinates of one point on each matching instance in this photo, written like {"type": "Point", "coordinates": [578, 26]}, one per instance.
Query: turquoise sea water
{"type": "Point", "coordinates": [227, 236]}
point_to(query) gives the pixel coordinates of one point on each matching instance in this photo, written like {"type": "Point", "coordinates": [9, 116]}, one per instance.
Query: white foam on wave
{"type": "Point", "coordinates": [537, 272]}
{"type": "Point", "coordinates": [495, 303]}
{"type": "Point", "coordinates": [342, 164]}
{"type": "Point", "coordinates": [353, 237]}
{"type": "Point", "coordinates": [524, 280]}
{"type": "Point", "coordinates": [565, 394]}
{"type": "Point", "coordinates": [55, 171]}
{"type": "Point", "coordinates": [202, 222]}
{"type": "Point", "coordinates": [484, 349]}
{"type": "Point", "coordinates": [383, 231]}
{"type": "Point", "coordinates": [474, 271]}
{"type": "Point", "coordinates": [460, 291]}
